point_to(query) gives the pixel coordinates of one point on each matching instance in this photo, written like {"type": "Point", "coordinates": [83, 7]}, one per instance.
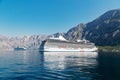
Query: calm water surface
{"type": "Point", "coordinates": [34, 65]}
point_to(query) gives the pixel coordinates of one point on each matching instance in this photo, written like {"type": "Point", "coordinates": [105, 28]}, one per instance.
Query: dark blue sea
{"type": "Point", "coordinates": [35, 65]}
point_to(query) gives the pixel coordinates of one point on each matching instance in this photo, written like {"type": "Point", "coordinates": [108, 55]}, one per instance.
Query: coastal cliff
{"type": "Point", "coordinates": [103, 31]}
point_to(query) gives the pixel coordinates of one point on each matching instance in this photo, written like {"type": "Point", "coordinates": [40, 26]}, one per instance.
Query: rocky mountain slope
{"type": "Point", "coordinates": [29, 42]}
{"type": "Point", "coordinates": [105, 30]}
{"type": "Point", "coordinates": [75, 33]}
{"type": "Point", "coordinates": [4, 43]}
{"type": "Point", "coordinates": [57, 34]}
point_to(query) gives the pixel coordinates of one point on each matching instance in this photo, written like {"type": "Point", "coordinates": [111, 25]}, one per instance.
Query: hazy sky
{"type": "Point", "coordinates": [29, 17]}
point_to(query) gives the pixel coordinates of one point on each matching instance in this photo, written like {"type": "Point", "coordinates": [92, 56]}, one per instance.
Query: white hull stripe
{"type": "Point", "coordinates": [63, 49]}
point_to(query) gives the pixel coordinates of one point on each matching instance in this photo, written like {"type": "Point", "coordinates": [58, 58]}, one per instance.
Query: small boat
{"type": "Point", "coordinates": [19, 49]}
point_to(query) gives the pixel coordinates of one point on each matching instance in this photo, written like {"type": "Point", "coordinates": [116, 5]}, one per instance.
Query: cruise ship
{"type": "Point", "coordinates": [61, 44]}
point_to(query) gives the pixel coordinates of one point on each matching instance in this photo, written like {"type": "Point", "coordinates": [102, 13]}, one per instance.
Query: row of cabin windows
{"type": "Point", "coordinates": [55, 44]}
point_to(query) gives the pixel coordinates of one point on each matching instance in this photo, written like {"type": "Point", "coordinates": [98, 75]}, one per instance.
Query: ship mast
{"type": "Point", "coordinates": [79, 32]}
{"type": "Point", "coordinates": [78, 37]}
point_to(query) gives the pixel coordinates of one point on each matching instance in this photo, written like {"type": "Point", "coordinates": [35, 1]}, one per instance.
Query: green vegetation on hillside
{"type": "Point", "coordinates": [109, 48]}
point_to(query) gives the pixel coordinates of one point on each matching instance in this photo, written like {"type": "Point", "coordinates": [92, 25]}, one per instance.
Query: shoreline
{"type": "Point", "coordinates": [109, 48]}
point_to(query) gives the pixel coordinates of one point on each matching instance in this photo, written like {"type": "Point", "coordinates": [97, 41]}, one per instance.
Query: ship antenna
{"type": "Point", "coordinates": [79, 32]}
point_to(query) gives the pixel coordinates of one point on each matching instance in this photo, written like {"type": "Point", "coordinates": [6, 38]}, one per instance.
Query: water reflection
{"type": "Point", "coordinates": [27, 65]}
{"type": "Point", "coordinates": [74, 65]}
{"type": "Point", "coordinates": [34, 65]}
{"type": "Point", "coordinates": [108, 66]}
{"type": "Point", "coordinates": [33, 57]}
{"type": "Point", "coordinates": [63, 60]}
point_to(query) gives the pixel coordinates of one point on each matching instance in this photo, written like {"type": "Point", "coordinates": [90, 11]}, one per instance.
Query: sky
{"type": "Point", "coordinates": [32, 17]}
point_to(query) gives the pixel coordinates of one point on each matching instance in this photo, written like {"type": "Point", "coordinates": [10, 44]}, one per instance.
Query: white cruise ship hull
{"type": "Point", "coordinates": [67, 49]}
{"type": "Point", "coordinates": [64, 45]}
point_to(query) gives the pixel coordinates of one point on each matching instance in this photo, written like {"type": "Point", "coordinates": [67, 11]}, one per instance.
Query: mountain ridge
{"type": "Point", "coordinates": [29, 42]}
{"type": "Point", "coordinates": [104, 30]}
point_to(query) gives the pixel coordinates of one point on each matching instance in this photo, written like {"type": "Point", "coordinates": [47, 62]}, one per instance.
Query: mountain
{"type": "Point", "coordinates": [29, 42]}
{"type": "Point", "coordinates": [105, 30]}
{"type": "Point", "coordinates": [2, 38]}
{"type": "Point", "coordinates": [57, 34]}
{"type": "Point", "coordinates": [4, 42]}
{"type": "Point", "coordinates": [75, 33]}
